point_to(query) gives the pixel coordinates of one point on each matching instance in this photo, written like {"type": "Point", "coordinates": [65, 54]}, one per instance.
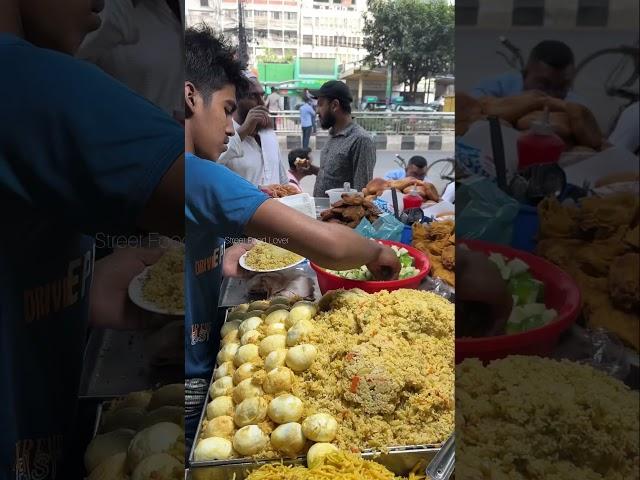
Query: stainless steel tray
{"type": "Point", "coordinates": [117, 362]}
{"type": "Point", "coordinates": [401, 460]}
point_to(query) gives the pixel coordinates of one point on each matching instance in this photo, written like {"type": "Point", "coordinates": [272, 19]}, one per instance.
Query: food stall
{"type": "Point", "coordinates": [561, 229]}
{"type": "Point", "coordinates": [325, 368]}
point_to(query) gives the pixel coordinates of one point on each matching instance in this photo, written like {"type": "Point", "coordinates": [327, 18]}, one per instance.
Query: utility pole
{"type": "Point", "coordinates": [243, 50]}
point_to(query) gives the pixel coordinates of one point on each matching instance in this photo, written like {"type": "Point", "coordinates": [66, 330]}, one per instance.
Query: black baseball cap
{"type": "Point", "coordinates": [333, 89]}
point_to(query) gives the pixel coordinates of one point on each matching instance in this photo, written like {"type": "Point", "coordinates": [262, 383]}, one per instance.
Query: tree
{"type": "Point", "coordinates": [414, 36]}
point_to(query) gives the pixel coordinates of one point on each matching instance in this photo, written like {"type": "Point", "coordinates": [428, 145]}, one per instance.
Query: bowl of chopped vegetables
{"type": "Point", "coordinates": [414, 267]}
{"type": "Point", "coordinates": [546, 302]}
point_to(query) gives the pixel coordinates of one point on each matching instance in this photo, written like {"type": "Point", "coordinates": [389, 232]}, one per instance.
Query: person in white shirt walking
{"type": "Point", "coordinates": [253, 152]}
{"type": "Point", "coordinates": [274, 103]}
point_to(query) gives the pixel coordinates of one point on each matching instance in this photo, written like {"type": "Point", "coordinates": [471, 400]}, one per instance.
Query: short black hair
{"type": "Point", "coordinates": [298, 153]}
{"type": "Point", "coordinates": [210, 62]}
{"type": "Point", "coordinates": [418, 161]}
{"type": "Point", "coordinates": [554, 53]}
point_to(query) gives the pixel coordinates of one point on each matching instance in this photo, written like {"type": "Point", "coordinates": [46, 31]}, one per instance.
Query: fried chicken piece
{"type": "Point", "coordinates": [596, 257]}
{"type": "Point", "coordinates": [449, 257]}
{"type": "Point", "coordinates": [514, 107]}
{"type": "Point", "coordinates": [353, 213]}
{"type": "Point", "coordinates": [376, 186]}
{"type": "Point", "coordinates": [339, 203]}
{"type": "Point", "coordinates": [607, 214]}
{"type": "Point", "coordinates": [352, 200]}
{"type": "Point", "coordinates": [439, 271]}
{"type": "Point", "coordinates": [555, 220]}
{"type": "Point", "coordinates": [624, 282]}
{"type": "Point", "coordinates": [327, 215]}
{"type": "Point", "coordinates": [403, 183]}
{"type": "Point", "coordinates": [625, 325]}
{"type": "Point", "coordinates": [428, 191]}
{"type": "Point", "coordinates": [559, 251]}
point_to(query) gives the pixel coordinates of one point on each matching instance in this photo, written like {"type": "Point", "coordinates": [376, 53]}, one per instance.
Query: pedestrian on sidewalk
{"type": "Point", "coordinates": [307, 115]}
{"type": "Point", "coordinates": [350, 152]}
{"type": "Point", "coordinates": [275, 104]}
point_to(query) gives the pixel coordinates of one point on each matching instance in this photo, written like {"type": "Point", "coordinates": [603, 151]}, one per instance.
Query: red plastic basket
{"type": "Point", "coordinates": [561, 293]}
{"type": "Point", "coordinates": [328, 281]}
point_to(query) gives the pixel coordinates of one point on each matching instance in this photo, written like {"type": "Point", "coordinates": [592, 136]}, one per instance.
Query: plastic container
{"type": "Point", "coordinates": [303, 202]}
{"type": "Point", "coordinates": [328, 281]}
{"type": "Point", "coordinates": [525, 229]}
{"type": "Point", "coordinates": [335, 194]}
{"type": "Point", "coordinates": [407, 235]}
{"type": "Point", "coordinates": [539, 145]}
{"type": "Point", "coordinates": [561, 293]}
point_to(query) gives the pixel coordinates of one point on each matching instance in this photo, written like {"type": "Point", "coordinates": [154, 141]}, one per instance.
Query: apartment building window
{"type": "Point", "coordinates": [261, 33]}
{"type": "Point", "coordinates": [275, 15]}
{"type": "Point", "coordinates": [467, 12]}
{"type": "Point", "coordinates": [291, 16]}
{"type": "Point", "coordinates": [592, 13]}
{"type": "Point", "coordinates": [291, 35]}
{"type": "Point", "coordinates": [528, 13]}
{"type": "Point", "coordinates": [204, 3]}
{"type": "Point", "coordinates": [275, 35]}
{"type": "Point", "coordinates": [307, 39]}
{"type": "Point", "coordinates": [261, 13]}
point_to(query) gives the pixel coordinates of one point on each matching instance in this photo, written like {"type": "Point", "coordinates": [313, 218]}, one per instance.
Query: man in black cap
{"type": "Point", "coordinates": [350, 153]}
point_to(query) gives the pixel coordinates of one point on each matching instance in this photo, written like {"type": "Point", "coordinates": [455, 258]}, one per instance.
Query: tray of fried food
{"type": "Point", "coordinates": [598, 244]}
{"type": "Point", "coordinates": [350, 210]}
{"type": "Point", "coordinates": [437, 240]}
{"type": "Point", "coordinates": [377, 186]}
{"type": "Point", "coordinates": [279, 191]}
{"type": "Point", "coordinates": [574, 123]}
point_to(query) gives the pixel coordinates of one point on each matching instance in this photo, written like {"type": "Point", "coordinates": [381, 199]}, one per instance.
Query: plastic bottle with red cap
{"type": "Point", "coordinates": [540, 145]}
{"type": "Point", "coordinates": [412, 199]}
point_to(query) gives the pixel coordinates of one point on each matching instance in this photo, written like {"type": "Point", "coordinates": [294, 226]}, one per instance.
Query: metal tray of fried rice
{"type": "Point", "coordinates": [401, 460]}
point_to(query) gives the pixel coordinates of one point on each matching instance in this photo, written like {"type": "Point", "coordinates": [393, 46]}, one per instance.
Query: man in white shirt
{"type": "Point", "coordinates": [627, 132]}
{"type": "Point", "coordinates": [140, 43]}
{"type": "Point", "coordinates": [253, 152]}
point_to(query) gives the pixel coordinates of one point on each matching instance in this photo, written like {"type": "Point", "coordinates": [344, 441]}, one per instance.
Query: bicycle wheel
{"type": "Point", "coordinates": [443, 169]}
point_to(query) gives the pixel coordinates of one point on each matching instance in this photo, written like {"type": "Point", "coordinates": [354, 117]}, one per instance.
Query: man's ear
{"type": "Point", "coordinates": [190, 100]}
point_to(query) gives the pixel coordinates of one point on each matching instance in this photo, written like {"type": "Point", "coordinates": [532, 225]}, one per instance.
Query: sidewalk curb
{"type": "Point", "coordinates": [444, 142]}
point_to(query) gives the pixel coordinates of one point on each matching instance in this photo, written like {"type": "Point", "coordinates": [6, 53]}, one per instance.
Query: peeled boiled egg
{"type": "Point", "coordinates": [251, 323]}
{"type": "Point", "coordinates": [250, 411]}
{"type": "Point", "coordinates": [299, 332]}
{"type": "Point", "coordinates": [276, 329]}
{"type": "Point", "coordinates": [280, 379]}
{"type": "Point", "coordinates": [213, 448]}
{"type": "Point", "coordinates": [285, 408]}
{"type": "Point", "coordinates": [224, 370]}
{"type": "Point", "coordinates": [229, 327]}
{"type": "Point", "coordinates": [252, 336]}
{"type": "Point", "coordinates": [244, 371]}
{"type": "Point", "coordinates": [320, 427]}
{"type": "Point", "coordinates": [275, 359]}
{"type": "Point", "coordinates": [278, 316]}
{"type": "Point", "coordinates": [246, 389]}
{"type": "Point", "coordinates": [288, 439]}
{"type": "Point", "coordinates": [318, 452]}
{"type": "Point", "coordinates": [271, 343]}
{"type": "Point", "coordinates": [222, 426]}
{"type": "Point", "coordinates": [221, 387]}
{"type": "Point", "coordinates": [300, 357]}
{"type": "Point", "coordinates": [232, 337]}
{"type": "Point", "coordinates": [249, 440]}
{"type": "Point", "coordinates": [220, 406]}
{"type": "Point", "coordinates": [301, 311]}
{"type": "Point", "coordinates": [246, 354]}
{"type": "Point", "coordinates": [227, 352]}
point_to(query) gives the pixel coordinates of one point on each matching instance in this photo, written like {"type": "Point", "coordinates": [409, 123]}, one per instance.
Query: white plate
{"type": "Point", "coordinates": [244, 265]}
{"type": "Point", "coordinates": [136, 296]}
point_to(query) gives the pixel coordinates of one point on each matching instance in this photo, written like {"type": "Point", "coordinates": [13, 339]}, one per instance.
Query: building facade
{"type": "Point", "coordinates": [289, 28]}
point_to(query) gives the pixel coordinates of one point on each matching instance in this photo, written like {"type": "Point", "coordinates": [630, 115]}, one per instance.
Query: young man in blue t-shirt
{"type": "Point", "coordinates": [80, 154]}
{"type": "Point", "coordinates": [221, 205]}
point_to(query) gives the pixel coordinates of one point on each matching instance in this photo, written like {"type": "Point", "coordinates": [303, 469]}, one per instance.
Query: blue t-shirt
{"type": "Point", "coordinates": [79, 154]}
{"type": "Point", "coordinates": [307, 114]}
{"type": "Point", "coordinates": [218, 206]}
{"type": "Point", "coordinates": [507, 85]}
{"type": "Point", "coordinates": [397, 174]}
